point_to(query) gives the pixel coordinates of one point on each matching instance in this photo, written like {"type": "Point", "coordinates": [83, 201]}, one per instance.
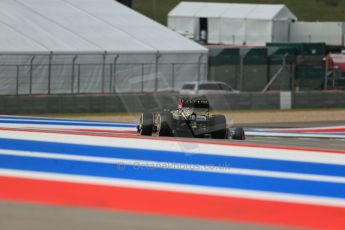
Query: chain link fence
{"type": "Point", "coordinates": [78, 74]}
{"type": "Point", "coordinates": [253, 70]}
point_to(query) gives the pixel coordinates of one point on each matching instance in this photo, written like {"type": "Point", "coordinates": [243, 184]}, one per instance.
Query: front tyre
{"type": "Point", "coordinates": [146, 124]}
{"type": "Point", "coordinates": [239, 134]}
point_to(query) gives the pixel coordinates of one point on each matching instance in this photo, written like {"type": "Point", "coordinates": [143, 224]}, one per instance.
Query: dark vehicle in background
{"type": "Point", "coordinates": [206, 88]}
{"type": "Point", "coordinates": [192, 118]}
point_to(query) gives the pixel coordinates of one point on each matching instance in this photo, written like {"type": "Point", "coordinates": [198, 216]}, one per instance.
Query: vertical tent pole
{"type": "Point", "coordinates": [17, 81]}
{"type": "Point", "coordinates": [103, 71]}
{"type": "Point", "coordinates": [173, 77]}
{"type": "Point", "coordinates": [199, 67]}
{"type": "Point", "coordinates": [156, 72]}
{"type": "Point", "coordinates": [142, 77]}
{"type": "Point", "coordinates": [113, 82]}
{"type": "Point", "coordinates": [78, 90]}
{"type": "Point", "coordinates": [199, 71]}
{"type": "Point", "coordinates": [73, 64]}
{"type": "Point", "coordinates": [50, 71]}
{"type": "Point", "coordinates": [31, 69]}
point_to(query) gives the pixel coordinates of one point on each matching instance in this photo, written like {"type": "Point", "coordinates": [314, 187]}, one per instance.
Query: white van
{"type": "Point", "coordinates": [207, 88]}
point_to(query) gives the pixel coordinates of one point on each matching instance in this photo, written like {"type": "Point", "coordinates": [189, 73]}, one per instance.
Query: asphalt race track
{"type": "Point", "coordinates": [72, 174]}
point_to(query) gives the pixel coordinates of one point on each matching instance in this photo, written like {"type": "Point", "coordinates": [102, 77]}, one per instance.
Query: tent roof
{"type": "Point", "coordinates": [231, 10]}
{"type": "Point", "coordinates": [84, 26]}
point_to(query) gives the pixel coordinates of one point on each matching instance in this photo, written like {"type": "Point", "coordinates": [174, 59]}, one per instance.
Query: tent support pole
{"type": "Point", "coordinates": [50, 71]}
{"type": "Point", "coordinates": [199, 71]}
{"type": "Point", "coordinates": [156, 72]}
{"type": "Point", "coordinates": [113, 77]}
{"type": "Point", "coordinates": [199, 67]}
{"type": "Point", "coordinates": [103, 71]}
{"type": "Point", "coordinates": [17, 81]}
{"type": "Point", "coordinates": [78, 90]}
{"type": "Point", "coordinates": [73, 66]}
{"type": "Point", "coordinates": [31, 69]}
{"type": "Point", "coordinates": [173, 77]}
{"type": "Point", "coordinates": [142, 77]}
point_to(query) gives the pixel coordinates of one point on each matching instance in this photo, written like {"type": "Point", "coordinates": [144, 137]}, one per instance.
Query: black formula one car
{"type": "Point", "coordinates": [192, 118]}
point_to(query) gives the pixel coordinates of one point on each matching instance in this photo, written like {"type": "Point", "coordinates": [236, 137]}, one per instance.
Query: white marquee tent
{"type": "Point", "coordinates": [233, 24]}
{"type": "Point", "coordinates": [332, 33]}
{"type": "Point", "coordinates": [86, 46]}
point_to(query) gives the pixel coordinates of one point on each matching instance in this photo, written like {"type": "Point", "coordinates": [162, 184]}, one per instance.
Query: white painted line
{"type": "Point", "coordinates": [183, 147]}
{"type": "Point", "coordinates": [62, 121]}
{"type": "Point", "coordinates": [310, 128]}
{"type": "Point", "coordinates": [176, 166]}
{"type": "Point", "coordinates": [288, 134]}
{"type": "Point", "coordinates": [66, 127]}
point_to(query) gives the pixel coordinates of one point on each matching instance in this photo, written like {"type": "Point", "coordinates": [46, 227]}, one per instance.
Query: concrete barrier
{"type": "Point", "coordinates": [285, 100]}
{"type": "Point", "coordinates": [151, 102]}
{"type": "Point", "coordinates": [318, 100]}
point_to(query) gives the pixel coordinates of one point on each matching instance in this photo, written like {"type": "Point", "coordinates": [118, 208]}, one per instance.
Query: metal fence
{"type": "Point", "coordinates": [48, 76]}
{"type": "Point", "coordinates": [255, 73]}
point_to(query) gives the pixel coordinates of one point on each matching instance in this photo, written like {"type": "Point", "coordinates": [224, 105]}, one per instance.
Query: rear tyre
{"type": "Point", "coordinates": [165, 124]}
{"type": "Point", "coordinates": [239, 134]}
{"type": "Point", "coordinates": [146, 124]}
{"type": "Point", "coordinates": [218, 127]}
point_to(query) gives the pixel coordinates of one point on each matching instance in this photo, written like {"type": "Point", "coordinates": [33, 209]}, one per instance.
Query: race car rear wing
{"type": "Point", "coordinates": [193, 103]}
